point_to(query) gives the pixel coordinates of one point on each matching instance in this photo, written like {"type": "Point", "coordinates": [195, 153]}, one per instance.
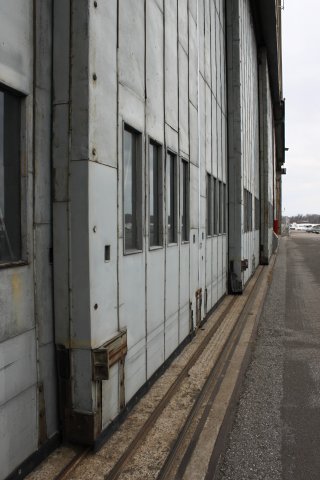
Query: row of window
{"type": "Point", "coordinates": [216, 206]}
{"type": "Point", "coordinates": [163, 193]}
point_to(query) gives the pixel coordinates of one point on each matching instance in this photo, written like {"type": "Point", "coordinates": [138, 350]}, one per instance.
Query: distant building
{"type": "Point", "coordinates": [141, 146]}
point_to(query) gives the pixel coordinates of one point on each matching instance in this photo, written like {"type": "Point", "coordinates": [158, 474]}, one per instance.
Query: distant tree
{"type": "Point", "coordinates": [308, 218]}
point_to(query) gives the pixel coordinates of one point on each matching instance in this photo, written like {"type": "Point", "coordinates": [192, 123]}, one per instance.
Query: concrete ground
{"type": "Point", "coordinates": [276, 431]}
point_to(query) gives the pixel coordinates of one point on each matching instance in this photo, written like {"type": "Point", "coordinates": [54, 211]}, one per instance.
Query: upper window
{"type": "Point", "coordinates": [155, 195]}
{"type": "Point", "coordinates": [132, 189]}
{"type": "Point", "coordinates": [10, 177]}
{"type": "Point", "coordinates": [172, 197]}
{"type": "Point", "coordinates": [184, 201]}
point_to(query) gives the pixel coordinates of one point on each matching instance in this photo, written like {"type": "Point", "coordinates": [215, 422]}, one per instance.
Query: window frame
{"type": "Point", "coordinates": [22, 258]}
{"type": "Point", "coordinates": [139, 179]}
{"type": "Point", "coordinates": [247, 211]}
{"type": "Point", "coordinates": [185, 200]}
{"type": "Point", "coordinates": [221, 207]}
{"type": "Point", "coordinates": [225, 208]}
{"type": "Point", "coordinates": [256, 213]}
{"type": "Point", "coordinates": [159, 147]}
{"type": "Point", "coordinates": [171, 154]}
{"type": "Point", "coordinates": [215, 206]}
{"type": "Point", "coordinates": [210, 211]}
{"type": "Point", "coordinates": [250, 211]}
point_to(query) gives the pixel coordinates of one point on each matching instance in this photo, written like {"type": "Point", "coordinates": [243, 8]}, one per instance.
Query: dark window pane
{"type": "Point", "coordinates": [250, 211]}
{"type": "Point", "coordinates": [245, 210]}
{"type": "Point", "coordinates": [171, 198]}
{"type": "Point", "coordinates": [270, 215]}
{"type": "Point", "coordinates": [185, 201]}
{"type": "Point", "coordinates": [209, 204]}
{"type": "Point", "coordinates": [132, 187]}
{"type": "Point", "coordinates": [221, 207]}
{"type": "Point", "coordinates": [225, 208]}
{"type": "Point", "coordinates": [155, 194]}
{"type": "Point", "coordinates": [10, 180]}
{"type": "Point", "coordinates": [216, 206]}
{"type": "Point", "coordinates": [257, 214]}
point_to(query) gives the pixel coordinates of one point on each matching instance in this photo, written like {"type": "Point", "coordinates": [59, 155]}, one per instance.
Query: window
{"type": "Point", "coordinates": [257, 213]}
{"type": "Point", "coordinates": [216, 206]}
{"type": "Point", "coordinates": [171, 186]}
{"type": "Point", "coordinates": [225, 208]}
{"type": "Point", "coordinates": [155, 195]}
{"type": "Point", "coordinates": [132, 189]}
{"type": "Point", "coordinates": [10, 177]}
{"type": "Point", "coordinates": [184, 201]}
{"type": "Point", "coordinates": [209, 204]}
{"type": "Point", "coordinates": [247, 210]}
{"type": "Point", "coordinates": [250, 211]}
{"type": "Point", "coordinates": [270, 215]}
{"type": "Point", "coordinates": [221, 208]}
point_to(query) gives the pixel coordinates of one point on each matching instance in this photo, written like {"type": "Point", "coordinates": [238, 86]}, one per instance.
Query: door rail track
{"type": "Point", "coordinates": [215, 378]}
{"type": "Point", "coordinates": [184, 445]}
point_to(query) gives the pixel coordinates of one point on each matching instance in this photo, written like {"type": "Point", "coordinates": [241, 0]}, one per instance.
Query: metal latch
{"type": "Point", "coordinates": [111, 352]}
{"type": "Point", "coordinates": [244, 264]}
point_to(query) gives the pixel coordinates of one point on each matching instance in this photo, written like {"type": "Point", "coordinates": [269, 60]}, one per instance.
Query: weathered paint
{"type": "Point", "coordinates": [26, 332]}
{"type": "Point", "coordinates": [159, 66]}
{"type": "Point", "coordinates": [243, 133]}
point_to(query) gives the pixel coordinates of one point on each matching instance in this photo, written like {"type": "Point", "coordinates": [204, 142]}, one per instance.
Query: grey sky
{"type": "Point", "coordinates": [301, 64]}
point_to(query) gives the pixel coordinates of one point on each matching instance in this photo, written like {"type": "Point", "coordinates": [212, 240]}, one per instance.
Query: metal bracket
{"type": "Point", "coordinates": [198, 306]}
{"type": "Point", "coordinates": [111, 352]}
{"type": "Point", "coordinates": [244, 264]}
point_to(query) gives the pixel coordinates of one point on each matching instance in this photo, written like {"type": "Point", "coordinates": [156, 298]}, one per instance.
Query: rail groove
{"type": "Point", "coordinates": [72, 465]}
{"type": "Point", "coordinates": [197, 415]}
{"type": "Point", "coordinates": [180, 454]}
{"type": "Point", "coordinates": [125, 457]}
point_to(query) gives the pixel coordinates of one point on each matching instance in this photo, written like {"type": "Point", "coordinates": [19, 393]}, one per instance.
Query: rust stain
{"type": "Point", "coordinates": [16, 287]}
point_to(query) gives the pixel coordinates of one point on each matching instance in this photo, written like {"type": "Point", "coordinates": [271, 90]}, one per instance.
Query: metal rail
{"type": "Point", "coordinates": [136, 442]}
{"type": "Point", "coordinates": [180, 454]}
{"type": "Point", "coordinates": [71, 466]}
{"type": "Point", "coordinates": [206, 396]}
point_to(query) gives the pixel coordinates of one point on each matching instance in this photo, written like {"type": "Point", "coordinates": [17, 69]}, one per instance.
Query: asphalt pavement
{"type": "Point", "coordinates": [276, 431]}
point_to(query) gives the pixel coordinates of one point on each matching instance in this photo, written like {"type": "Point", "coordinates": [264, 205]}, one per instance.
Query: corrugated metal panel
{"type": "Point", "coordinates": [103, 64]}
{"type": "Point", "coordinates": [154, 71]}
{"type": "Point", "coordinates": [103, 233]}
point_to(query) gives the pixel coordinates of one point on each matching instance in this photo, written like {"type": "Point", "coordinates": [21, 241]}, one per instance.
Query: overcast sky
{"type": "Point", "coordinates": [301, 76]}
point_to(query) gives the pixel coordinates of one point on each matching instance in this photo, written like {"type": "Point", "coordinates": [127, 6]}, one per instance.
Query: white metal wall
{"type": "Point", "coordinates": [156, 83]}
{"type": "Point", "coordinates": [267, 149]}
{"type": "Point", "coordinates": [158, 66]}
{"type": "Point", "coordinates": [243, 142]}
{"type": "Point", "coordinates": [213, 120]}
{"type": "Point", "coordinates": [249, 127]}
{"type": "Point", "coordinates": [28, 397]}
